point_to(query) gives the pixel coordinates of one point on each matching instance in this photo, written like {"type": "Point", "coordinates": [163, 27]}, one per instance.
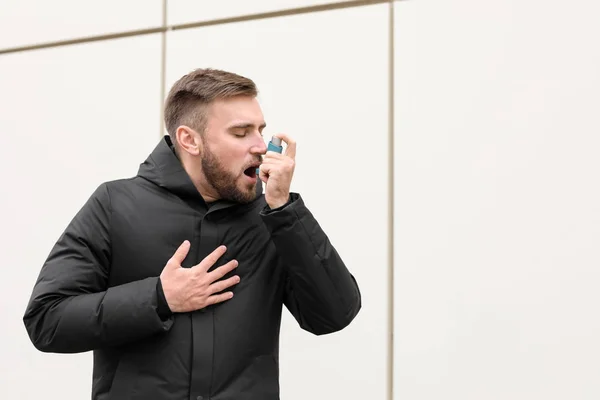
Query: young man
{"type": "Point", "coordinates": [176, 278]}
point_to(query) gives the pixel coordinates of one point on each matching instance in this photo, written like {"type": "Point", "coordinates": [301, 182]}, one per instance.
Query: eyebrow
{"type": "Point", "coordinates": [244, 125]}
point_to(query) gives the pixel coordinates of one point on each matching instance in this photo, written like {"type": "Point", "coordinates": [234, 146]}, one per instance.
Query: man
{"type": "Point", "coordinates": [176, 278]}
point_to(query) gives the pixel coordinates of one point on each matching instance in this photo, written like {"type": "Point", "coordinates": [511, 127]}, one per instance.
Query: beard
{"type": "Point", "coordinates": [223, 181]}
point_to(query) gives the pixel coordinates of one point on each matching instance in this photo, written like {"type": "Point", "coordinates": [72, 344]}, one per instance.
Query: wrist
{"type": "Point", "coordinates": [279, 203]}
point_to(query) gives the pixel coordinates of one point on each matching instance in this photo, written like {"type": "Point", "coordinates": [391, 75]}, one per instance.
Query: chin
{"type": "Point", "coordinates": [250, 192]}
{"type": "Point", "coordinates": [246, 193]}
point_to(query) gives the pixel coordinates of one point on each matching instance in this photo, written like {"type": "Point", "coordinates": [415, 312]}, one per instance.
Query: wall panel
{"type": "Point", "coordinates": [72, 117]}
{"type": "Point", "coordinates": [497, 218]}
{"type": "Point", "coordinates": [186, 11]}
{"type": "Point", "coordinates": [29, 22]}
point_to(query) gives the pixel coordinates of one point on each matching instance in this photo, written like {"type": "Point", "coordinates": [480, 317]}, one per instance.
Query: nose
{"type": "Point", "coordinates": [259, 147]}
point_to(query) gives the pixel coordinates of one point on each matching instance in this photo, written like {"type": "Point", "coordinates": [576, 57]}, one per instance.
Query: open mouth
{"type": "Point", "coordinates": [251, 171]}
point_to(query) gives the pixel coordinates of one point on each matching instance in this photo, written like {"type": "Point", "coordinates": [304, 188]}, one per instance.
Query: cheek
{"type": "Point", "coordinates": [232, 156]}
{"type": "Point", "coordinates": [232, 161]}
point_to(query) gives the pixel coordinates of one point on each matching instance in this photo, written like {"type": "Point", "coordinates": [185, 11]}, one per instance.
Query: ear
{"type": "Point", "coordinates": [188, 140]}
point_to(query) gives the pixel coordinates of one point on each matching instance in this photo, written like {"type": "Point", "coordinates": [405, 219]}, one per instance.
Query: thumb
{"type": "Point", "coordinates": [180, 254]}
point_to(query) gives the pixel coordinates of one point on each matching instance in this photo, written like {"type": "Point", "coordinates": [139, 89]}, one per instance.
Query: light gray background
{"type": "Point", "coordinates": [489, 109]}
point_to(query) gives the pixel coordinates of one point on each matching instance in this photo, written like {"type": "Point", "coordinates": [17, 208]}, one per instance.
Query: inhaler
{"type": "Point", "coordinates": [274, 145]}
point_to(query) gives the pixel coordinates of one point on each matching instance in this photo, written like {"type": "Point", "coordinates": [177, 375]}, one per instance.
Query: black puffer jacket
{"type": "Point", "coordinates": [99, 289]}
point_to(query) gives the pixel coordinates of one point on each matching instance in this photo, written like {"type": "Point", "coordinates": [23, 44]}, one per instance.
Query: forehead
{"type": "Point", "coordinates": [238, 108]}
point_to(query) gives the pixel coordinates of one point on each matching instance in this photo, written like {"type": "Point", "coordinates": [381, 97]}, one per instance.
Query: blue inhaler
{"type": "Point", "coordinates": [274, 145]}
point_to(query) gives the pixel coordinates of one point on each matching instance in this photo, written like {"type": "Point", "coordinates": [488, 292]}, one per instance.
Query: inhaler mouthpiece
{"type": "Point", "coordinates": [276, 141]}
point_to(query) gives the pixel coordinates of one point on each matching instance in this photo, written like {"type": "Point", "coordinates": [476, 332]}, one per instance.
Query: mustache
{"type": "Point", "coordinates": [253, 163]}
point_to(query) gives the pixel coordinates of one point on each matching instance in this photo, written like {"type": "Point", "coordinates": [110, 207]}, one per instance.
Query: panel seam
{"type": "Point", "coordinates": [391, 189]}
{"type": "Point", "coordinates": [163, 67]}
{"type": "Point", "coordinates": [219, 21]}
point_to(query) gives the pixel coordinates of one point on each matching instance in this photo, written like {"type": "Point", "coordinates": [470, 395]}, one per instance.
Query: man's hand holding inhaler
{"type": "Point", "coordinates": [277, 170]}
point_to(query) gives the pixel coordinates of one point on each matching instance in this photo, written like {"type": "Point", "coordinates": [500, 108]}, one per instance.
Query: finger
{"type": "Point", "coordinates": [264, 171]}
{"type": "Point", "coordinates": [268, 165]}
{"type": "Point", "coordinates": [218, 298]}
{"type": "Point", "coordinates": [277, 162]}
{"type": "Point", "coordinates": [272, 156]}
{"type": "Point", "coordinates": [211, 259]}
{"type": "Point", "coordinates": [223, 270]}
{"type": "Point", "coordinates": [263, 176]}
{"type": "Point", "coordinates": [222, 285]}
{"type": "Point", "coordinates": [290, 151]}
{"type": "Point", "coordinates": [180, 254]}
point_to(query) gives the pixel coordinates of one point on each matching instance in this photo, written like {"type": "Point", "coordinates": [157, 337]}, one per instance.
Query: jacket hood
{"type": "Point", "coordinates": [163, 168]}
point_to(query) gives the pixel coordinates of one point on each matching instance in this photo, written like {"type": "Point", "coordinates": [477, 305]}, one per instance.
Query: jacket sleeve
{"type": "Point", "coordinates": [320, 292]}
{"type": "Point", "coordinates": [71, 308]}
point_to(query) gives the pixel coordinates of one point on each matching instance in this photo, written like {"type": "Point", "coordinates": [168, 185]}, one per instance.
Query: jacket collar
{"type": "Point", "coordinates": [163, 168]}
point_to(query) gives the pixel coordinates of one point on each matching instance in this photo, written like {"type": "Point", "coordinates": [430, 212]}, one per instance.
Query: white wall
{"type": "Point", "coordinates": [497, 200]}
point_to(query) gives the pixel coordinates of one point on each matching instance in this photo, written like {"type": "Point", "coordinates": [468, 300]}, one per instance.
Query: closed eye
{"type": "Point", "coordinates": [243, 129]}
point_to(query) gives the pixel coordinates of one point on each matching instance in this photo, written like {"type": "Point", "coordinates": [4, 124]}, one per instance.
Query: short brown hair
{"type": "Point", "coordinates": [190, 96]}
